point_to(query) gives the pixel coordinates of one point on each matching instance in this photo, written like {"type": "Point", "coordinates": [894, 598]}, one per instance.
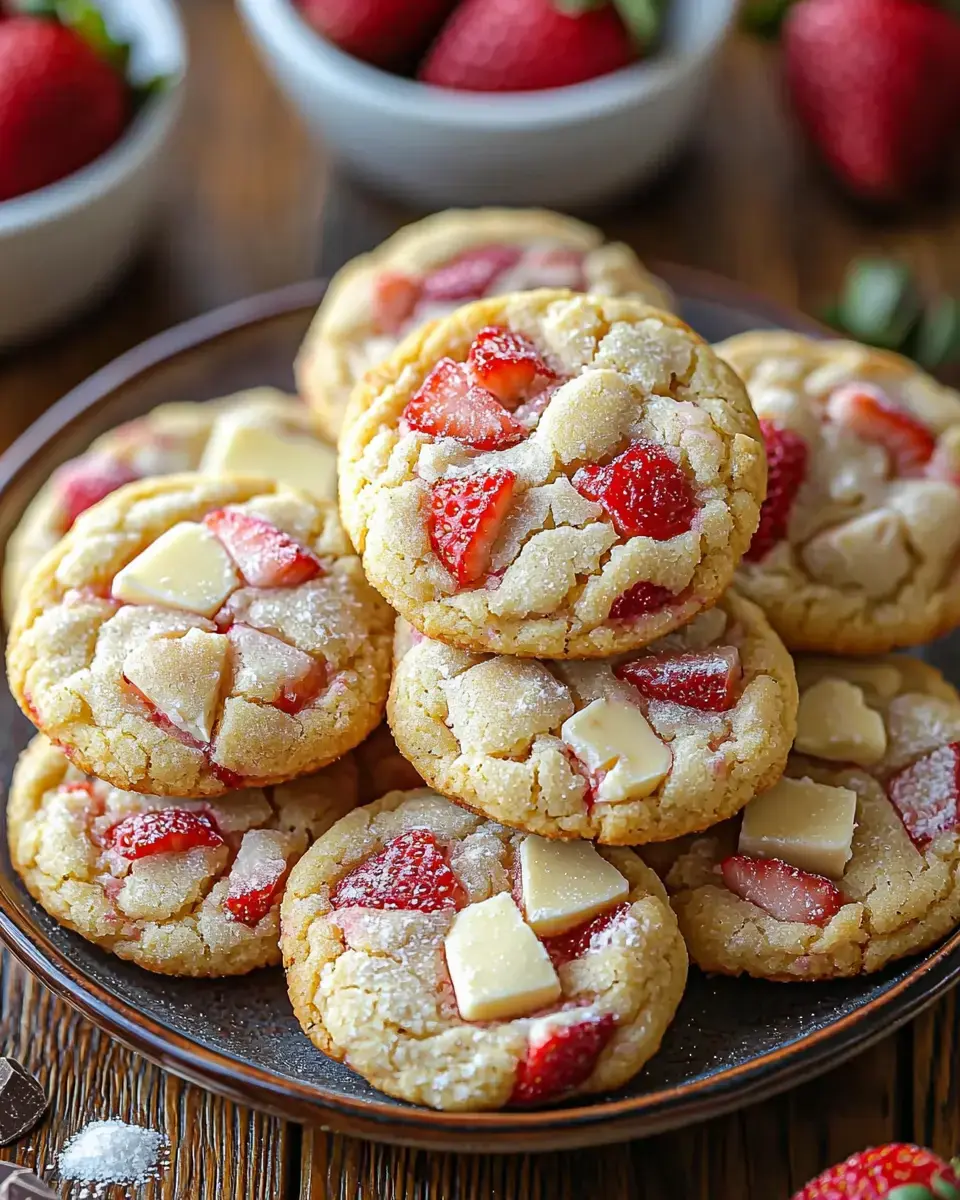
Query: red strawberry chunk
{"type": "Point", "coordinates": [411, 872]}
{"type": "Point", "coordinates": [471, 274]}
{"type": "Point", "coordinates": [708, 680]}
{"type": "Point", "coordinates": [927, 794]}
{"type": "Point", "coordinates": [560, 1057]}
{"type": "Point", "coordinates": [86, 481]}
{"type": "Point", "coordinates": [395, 297]}
{"type": "Point", "coordinates": [255, 876]}
{"type": "Point", "coordinates": [465, 518]}
{"type": "Point", "coordinates": [265, 555]}
{"type": "Point", "coordinates": [873, 416]}
{"type": "Point", "coordinates": [167, 831]}
{"type": "Point", "coordinates": [506, 364]}
{"type": "Point", "coordinates": [783, 891]}
{"type": "Point", "coordinates": [899, 1171]}
{"type": "Point", "coordinates": [787, 454]}
{"type": "Point", "coordinates": [556, 268]}
{"type": "Point", "coordinates": [645, 493]}
{"type": "Point", "coordinates": [639, 600]}
{"type": "Point", "coordinates": [565, 947]}
{"type": "Point", "coordinates": [449, 405]}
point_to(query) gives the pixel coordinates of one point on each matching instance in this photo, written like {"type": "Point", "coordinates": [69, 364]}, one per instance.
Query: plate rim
{"type": "Point", "coordinates": [598, 1123]}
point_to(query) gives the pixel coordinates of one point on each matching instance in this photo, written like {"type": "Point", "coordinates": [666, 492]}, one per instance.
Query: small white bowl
{"type": "Point", "coordinates": [567, 147]}
{"type": "Point", "coordinates": [61, 246]}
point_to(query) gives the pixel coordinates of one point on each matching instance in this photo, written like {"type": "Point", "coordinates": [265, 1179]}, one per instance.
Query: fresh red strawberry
{"type": "Point", "coordinates": [411, 872]}
{"type": "Point", "coordinates": [787, 454]}
{"type": "Point", "coordinates": [785, 892]}
{"type": "Point", "coordinates": [527, 45]}
{"type": "Point", "coordinates": [61, 106]}
{"type": "Point", "coordinates": [706, 679]}
{"type": "Point", "coordinates": [385, 32]}
{"type": "Point", "coordinates": [876, 85]}
{"type": "Point", "coordinates": [639, 600]}
{"type": "Point", "coordinates": [85, 481]}
{"type": "Point", "coordinates": [255, 876]}
{"type": "Point", "coordinates": [557, 268]}
{"type": "Point", "coordinates": [643, 490]}
{"type": "Point", "coordinates": [465, 518]}
{"type": "Point", "coordinates": [506, 364]}
{"type": "Point", "coordinates": [448, 404]}
{"type": "Point", "coordinates": [927, 794]}
{"type": "Point", "coordinates": [871, 415]}
{"type": "Point", "coordinates": [395, 297]}
{"type": "Point", "coordinates": [560, 1057]}
{"type": "Point", "coordinates": [898, 1172]}
{"type": "Point", "coordinates": [266, 556]}
{"type": "Point", "coordinates": [471, 274]}
{"type": "Point", "coordinates": [167, 831]}
{"type": "Point", "coordinates": [565, 947]}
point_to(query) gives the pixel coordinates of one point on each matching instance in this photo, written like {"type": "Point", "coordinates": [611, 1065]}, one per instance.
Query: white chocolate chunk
{"type": "Point", "coordinates": [498, 967]}
{"type": "Point", "coordinates": [185, 568]}
{"type": "Point", "coordinates": [239, 446]}
{"type": "Point", "coordinates": [260, 862]}
{"type": "Point", "coordinates": [834, 722]}
{"type": "Point", "coordinates": [883, 679]}
{"type": "Point", "coordinates": [866, 553]}
{"type": "Point", "coordinates": [807, 824]}
{"type": "Point", "coordinates": [615, 738]}
{"type": "Point", "coordinates": [264, 667]}
{"type": "Point", "coordinates": [566, 883]}
{"type": "Point", "coordinates": [182, 677]}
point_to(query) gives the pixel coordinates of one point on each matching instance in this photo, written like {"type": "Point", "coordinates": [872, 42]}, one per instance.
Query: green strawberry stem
{"type": "Point", "coordinates": [643, 18]}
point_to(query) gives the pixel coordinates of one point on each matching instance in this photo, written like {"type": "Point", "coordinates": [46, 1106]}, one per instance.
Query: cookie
{"type": "Point", "coordinates": [858, 549]}
{"type": "Point", "coordinates": [381, 768]}
{"type": "Point", "coordinates": [433, 952]}
{"type": "Point", "coordinates": [853, 859]}
{"type": "Point", "coordinates": [257, 432]}
{"type": "Point", "coordinates": [551, 475]}
{"type": "Point", "coordinates": [625, 750]}
{"type": "Point", "coordinates": [184, 887]}
{"type": "Point", "coordinates": [429, 268]}
{"type": "Point", "coordinates": [193, 635]}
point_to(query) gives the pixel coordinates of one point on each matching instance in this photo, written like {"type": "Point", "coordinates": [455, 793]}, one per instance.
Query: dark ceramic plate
{"type": "Point", "coordinates": [733, 1041]}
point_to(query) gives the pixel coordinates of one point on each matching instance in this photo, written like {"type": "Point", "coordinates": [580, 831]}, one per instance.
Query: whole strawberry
{"type": "Point", "coordinates": [383, 32]}
{"type": "Point", "coordinates": [876, 86]}
{"type": "Point", "coordinates": [895, 1172]}
{"type": "Point", "coordinates": [61, 105]}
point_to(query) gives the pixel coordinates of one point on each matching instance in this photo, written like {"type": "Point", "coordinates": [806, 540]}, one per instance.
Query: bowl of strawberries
{"type": "Point", "coordinates": [445, 102]}
{"type": "Point", "coordinates": [89, 95]}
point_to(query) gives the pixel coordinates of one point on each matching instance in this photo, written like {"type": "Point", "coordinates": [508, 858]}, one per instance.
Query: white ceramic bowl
{"type": "Point", "coordinates": [568, 147]}
{"type": "Point", "coordinates": [61, 246]}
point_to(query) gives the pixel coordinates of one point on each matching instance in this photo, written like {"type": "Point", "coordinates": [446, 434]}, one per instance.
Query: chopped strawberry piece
{"type": "Point", "coordinates": [873, 416]}
{"type": "Point", "coordinates": [556, 268]}
{"type": "Point", "coordinates": [560, 1057]}
{"type": "Point", "coordinates": [229, 779]}
{"type": "Point", "coordinates": [395, 297]}
{"type": "Point", "coordinates": [645, 493]}
{"type": "Point", "coordinates": [783, 891]}
{"type": "Point", "coordinates": [86, 481]}
{"type": "Point", "coordinates": [639, 600]}
{"type": "Point", "coordinates": [449, 405]}
{"type": "Point", "coordinates": [411, 872]}
{"type": "Point", "coordinates": [707, 679]}
{"type": "Point", "coordinates": [565, 947]}
{"type": "Point", "coordinates": [272, 671]}
{"type": "Point", "coordinates": [471, 274]}
{"type": "Point", "coordinates": [593, 779]}
{"type": "Point", "coordinates": [506, 364]}
{"type": "Point", "coordinates": [786, 470]}
{"type": "Point", "coordinates": [298, 693]}
{"type": "Point", "coordinates": [265, 555]}
{"type": "Point", "coordinates": [84, 786]}
{"type": "Point", "coordinates": [465, 518]}
{"type": "Point", "coordinates": [167, 831]}
{"type": "Point", "coordinates": [255, 876]}
{"type": "Point", "coordinates": [927, 794]}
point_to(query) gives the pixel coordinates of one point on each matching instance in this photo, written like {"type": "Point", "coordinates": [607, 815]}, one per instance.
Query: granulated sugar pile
{"type": "Point", "coordinates": [110, 1152]}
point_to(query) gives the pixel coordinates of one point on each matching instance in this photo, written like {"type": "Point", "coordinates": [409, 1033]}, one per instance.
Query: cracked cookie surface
{"type": "Point", "coordinates": [594, 492]}
{"type": "Point", "coordinates": [427, 269]}
{"type": "Point", "coordinates": [858, 550]}
{"type": "Point", "coordinates": [203, 902]}
{"type": "Point", "coordinates": [193, 635]}
{"type": "Point", "coordinates": [383, 933]}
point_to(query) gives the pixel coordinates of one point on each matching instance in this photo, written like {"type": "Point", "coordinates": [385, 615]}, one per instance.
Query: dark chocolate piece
{"type": "Point", "coordinates": [22, 1100]}
{"type": "Point", "coordinates": [26, 1186]}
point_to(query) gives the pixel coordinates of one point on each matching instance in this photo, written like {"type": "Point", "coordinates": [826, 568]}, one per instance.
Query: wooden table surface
{"type": "Point", "coordinates": [246, 211]}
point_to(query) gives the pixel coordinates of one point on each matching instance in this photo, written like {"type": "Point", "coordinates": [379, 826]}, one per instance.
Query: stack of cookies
{"type": "Point", "coordinates": [578, 555]}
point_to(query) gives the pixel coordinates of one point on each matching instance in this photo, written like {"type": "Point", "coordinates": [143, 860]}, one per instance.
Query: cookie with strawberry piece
{"type": "Point", "coordinates": [257, 432]}
{"type": "Point", "coordinates": [552, 475]}
{"type": "Point", "coordinates": [858, 549]}
{"type": "Point", "coordinates": [852, 859]}
{"type": "Point", "coordinates": [181, 887]}
{"type": "Point", "coordinates": [434, 953]}
{"type": "Point", "coordinates": [193, 635]}
{"type": "Point", "coordinates": [433, 266]}
{"type": "Point", "coordinates": [632, 749]}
